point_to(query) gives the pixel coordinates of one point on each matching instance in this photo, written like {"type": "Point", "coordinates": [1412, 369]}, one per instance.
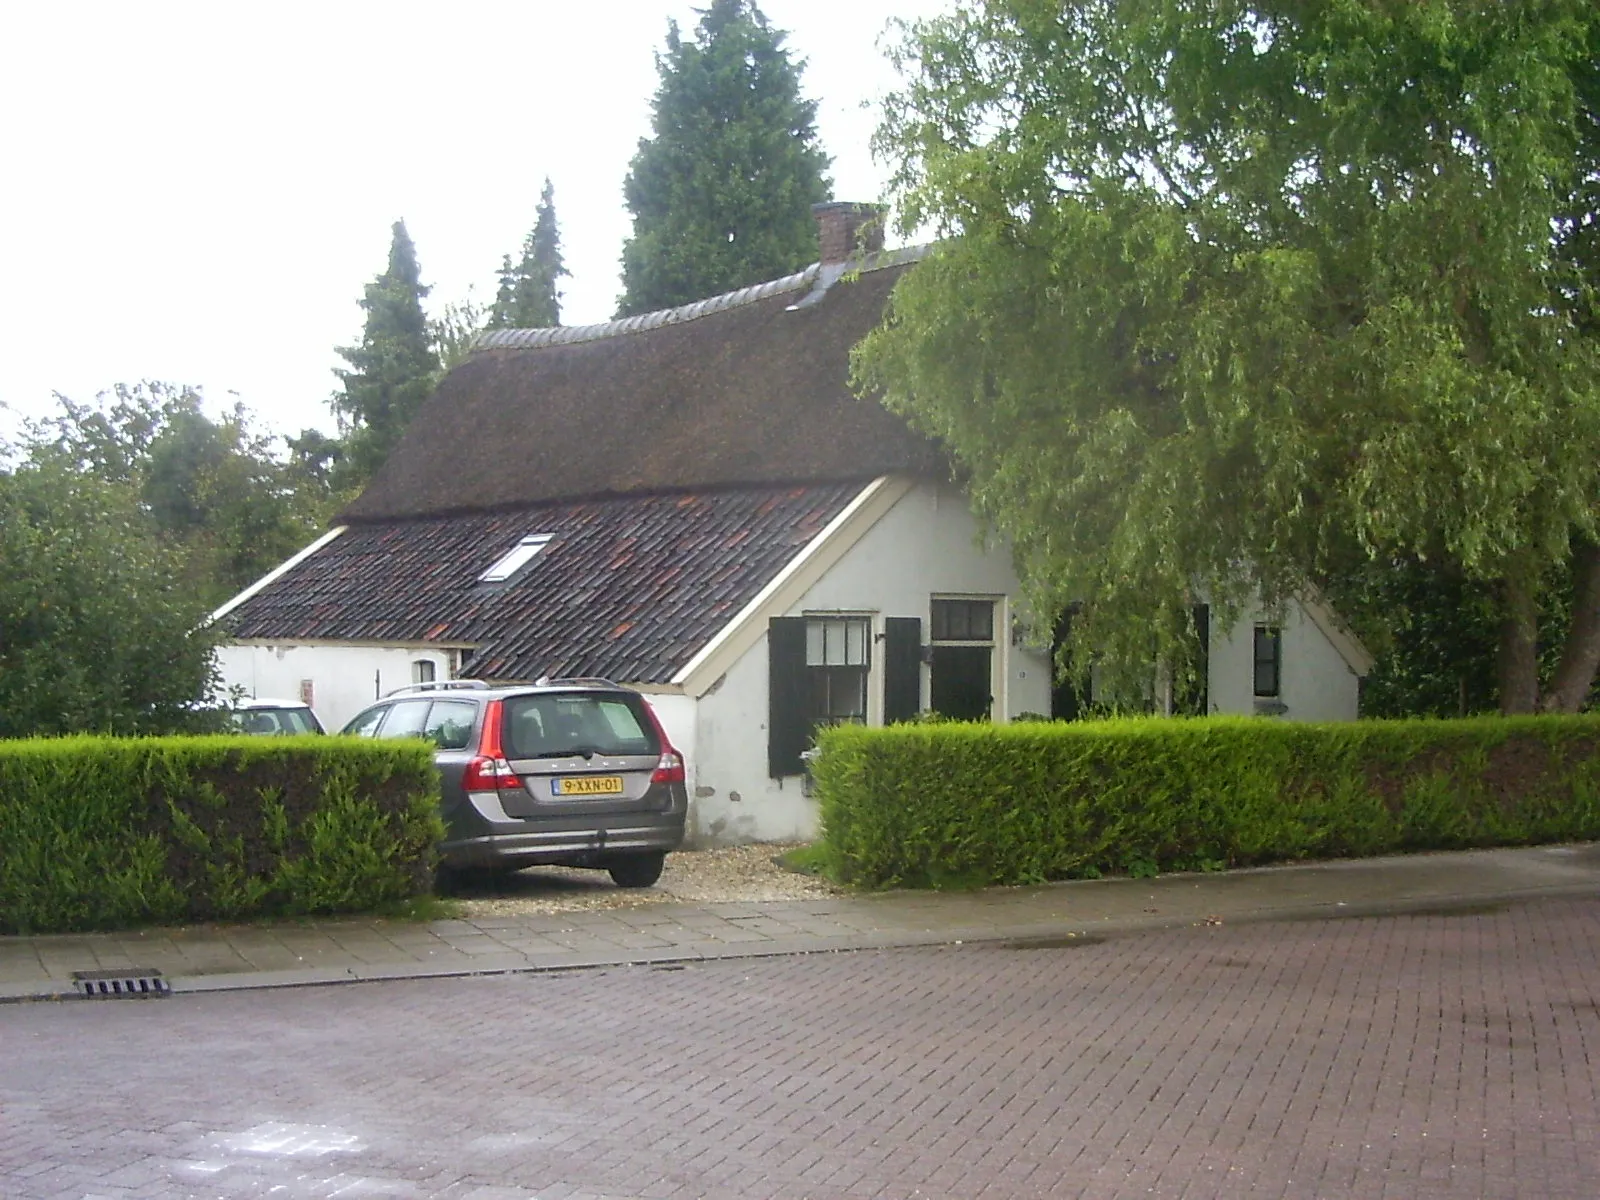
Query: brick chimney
{"type": "Point", "coordinates": [845, 227]}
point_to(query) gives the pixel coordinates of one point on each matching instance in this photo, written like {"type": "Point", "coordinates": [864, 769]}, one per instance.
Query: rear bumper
{"type": "Point", "coordinates": [482, 835]}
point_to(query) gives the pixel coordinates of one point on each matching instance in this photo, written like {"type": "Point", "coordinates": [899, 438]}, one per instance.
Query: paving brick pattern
{"type": "Point", "coordinates": [1410, 1056]}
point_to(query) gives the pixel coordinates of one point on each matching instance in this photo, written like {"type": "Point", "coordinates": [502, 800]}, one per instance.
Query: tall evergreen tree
{"type": "Point", "coordinates": [528, 297]}
{"type": "Point", "coordinates": [392, 370]}
{"type": "Point", "coordinates": [721, 195]}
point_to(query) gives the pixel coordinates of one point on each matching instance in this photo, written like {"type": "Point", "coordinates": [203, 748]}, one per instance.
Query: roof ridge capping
{"type": "Point", "coordinates": [837, 218]}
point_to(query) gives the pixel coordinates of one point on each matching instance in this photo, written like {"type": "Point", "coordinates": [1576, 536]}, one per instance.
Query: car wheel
{"type": "Point", "coordinates": [637, 870]}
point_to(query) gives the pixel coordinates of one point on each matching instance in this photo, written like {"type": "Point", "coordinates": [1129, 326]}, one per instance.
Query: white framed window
{"type": "Point", "coordinates": [962, 651]}
{"type": "Point", "coordinates": [1268, 673]}
{"type": "Point", "coordinates": [838, 658]}
{"type": "Point", "coordinates": [422, 671]}
{"type": "Point", "coordinates": [516, 558]}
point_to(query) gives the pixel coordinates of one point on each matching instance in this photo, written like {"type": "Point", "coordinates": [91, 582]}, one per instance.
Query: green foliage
{"type": "Point", "coordinates": [967, 805]}
{"type": "Point", "coordinates": [810, 859]}
{"type": "Point", "coordinates": [1434, 636]}
{"type": "Point", "coordinates": [455, 329]}
{"type": "Point", "coordinates": [392, 370]}
{"type": "Point", "coordinates": [529, 297]}
{"type": "Point", "coordinates": [721, 194]}
{"type": "Point", "coordinates": [104, 833]}
{"type": "Point", "coordinates": [220, 495]}
{"type": "Point", "coordinates": [101, 628]}
{"type": "Point", "coordinates": [1228, 295]}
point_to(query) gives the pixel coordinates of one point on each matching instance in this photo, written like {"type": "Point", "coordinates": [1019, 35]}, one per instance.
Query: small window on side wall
{"type": "Point", "coordinates": [1268, 660]}
{"type": "Point", "coordinates": [836, 661]}
{"type": "Point", "coordinates": [422, 671]}
{"type": "Point", "coordinates": [816, 675]}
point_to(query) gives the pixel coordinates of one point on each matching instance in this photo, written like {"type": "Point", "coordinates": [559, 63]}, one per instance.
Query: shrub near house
{"type": "Point", "coordinates": [977, 804]}
{"type": "Point", "coordinates": [102, 833]}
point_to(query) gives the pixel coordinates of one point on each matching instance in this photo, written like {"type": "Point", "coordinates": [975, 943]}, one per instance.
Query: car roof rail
{"type": "Point", "coordinates": [576, 680]}
{"type": "Point", "coordinates": [439, 685]}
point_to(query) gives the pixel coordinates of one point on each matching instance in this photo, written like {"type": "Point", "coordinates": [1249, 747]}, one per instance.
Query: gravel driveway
{"type": "Point", "coordinates": [699, 876]}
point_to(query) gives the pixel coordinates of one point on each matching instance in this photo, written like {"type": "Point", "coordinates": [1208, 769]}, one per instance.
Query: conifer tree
{"type": "Point", "coordinates": [392, 370]}
{"type": "Point", "coordinates": [721, 194]}
{"type": "Point", "coordinates": [528, 297]}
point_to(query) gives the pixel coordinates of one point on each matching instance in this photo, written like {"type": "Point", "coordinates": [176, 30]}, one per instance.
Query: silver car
{"type": "Point", "coordinates": [574, 773]}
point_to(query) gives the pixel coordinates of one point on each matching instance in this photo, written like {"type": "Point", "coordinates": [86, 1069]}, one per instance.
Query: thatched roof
{"type": "Point", "coordinates": [745, 389]}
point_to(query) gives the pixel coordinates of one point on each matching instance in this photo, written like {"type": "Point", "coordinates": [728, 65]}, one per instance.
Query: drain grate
{"type": "Point", "coordinates": [131, 982]}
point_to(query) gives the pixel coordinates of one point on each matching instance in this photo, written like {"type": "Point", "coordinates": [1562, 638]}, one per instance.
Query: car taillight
{"type": "Point", "coordinates": [489, 771]}
{"type": "Point", "coordinates": [669, 768]}
{"type": "Point", "coordinates": [488, 775]}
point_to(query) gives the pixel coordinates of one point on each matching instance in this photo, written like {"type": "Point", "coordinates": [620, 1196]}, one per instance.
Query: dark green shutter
{"type": "Point", "coordinates": [788, 726]}
{"type": "Point", "coordinates": [902, 668]}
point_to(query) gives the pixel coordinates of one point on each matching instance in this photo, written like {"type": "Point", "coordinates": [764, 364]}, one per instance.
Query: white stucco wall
{"type": "Point", "coordinates": [925, 546]}
{"type": "Point", "coordinates": [344, 679]}
{"type": "Point", "coordinates": [1315, 683]}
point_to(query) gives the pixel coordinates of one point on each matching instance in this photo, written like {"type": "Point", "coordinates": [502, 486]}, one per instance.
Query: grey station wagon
{"type": "Point", "coordinates": [574, 773]}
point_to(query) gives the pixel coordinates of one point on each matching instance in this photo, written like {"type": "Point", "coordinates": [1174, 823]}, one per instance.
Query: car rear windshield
{"type": "Point", "coordinates": [561, 724]}
{"type": "Point", "coordinates": [276, 720]}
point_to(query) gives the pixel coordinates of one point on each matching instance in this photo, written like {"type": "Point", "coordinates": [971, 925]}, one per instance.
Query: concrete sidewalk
{"type": "Point", "coordinates": [290, 953]}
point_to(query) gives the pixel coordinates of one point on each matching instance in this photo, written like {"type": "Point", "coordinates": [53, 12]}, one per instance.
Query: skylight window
{"type": "Point", "coordinates": [516, 558]}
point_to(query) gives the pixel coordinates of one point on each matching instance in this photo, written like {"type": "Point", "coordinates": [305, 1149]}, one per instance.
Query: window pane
{"type": "Point", "coordinates": [1268, 660]}
{"type": "Point", "coordinates": [406, 719]}
{"type": "Point", "coordinates": [516, 558]}
{"type": "Point", "coordinates": [450, 723]}
{"type": "Point", "coordinates": [624, 722]}
{"type": "Point", "coordinates": [980, 624]}
{"type": "Point", "coordinates": [838, 694]}
{"type": "Point", "coordinates": [422, 671]}
{"type": "Point", "coordinates": [296, 720]}
{"type": "Point", "coordinates": [960, 630]}
{"type": "Point", "coordinates": [552, 725]}
{"type": "Point", "coordinates": [833, 640]}
{"type": "Point", "coordinates": [836, 641]}
{"type": "Point", "coordinates": [856, 643]}
{"type": "Point", "coordinates": [963, 620]}
{"type": "Point", "coordinates": [814, 636]}
{"type": "Point", "coordinates": [365, 724]}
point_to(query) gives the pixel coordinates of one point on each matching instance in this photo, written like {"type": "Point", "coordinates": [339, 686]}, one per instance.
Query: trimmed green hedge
{"type": "Point", "coordinates": [105, 833]}
{"type": "Point", "coordinates": [953, 805]}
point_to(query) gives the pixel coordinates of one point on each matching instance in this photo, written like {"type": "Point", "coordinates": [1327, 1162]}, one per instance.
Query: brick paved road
{"type": "Point", "coordinates": [1421, 1056]}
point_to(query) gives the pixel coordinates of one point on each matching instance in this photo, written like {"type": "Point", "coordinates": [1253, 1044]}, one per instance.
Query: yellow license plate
{"type": "Point", "coordinates": [588, 785]}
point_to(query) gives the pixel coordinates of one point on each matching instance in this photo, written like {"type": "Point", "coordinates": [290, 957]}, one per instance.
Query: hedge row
{"type": "Point", "coordinates": [105, 833]}
{"type": "Point", "coordinates": [971, 805]}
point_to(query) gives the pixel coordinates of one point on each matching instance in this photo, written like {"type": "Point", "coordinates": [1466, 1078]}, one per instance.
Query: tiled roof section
{"type": "Point", "coordinates": [751, 388]}
{"type": "Point", "coordinates": [628, 588]}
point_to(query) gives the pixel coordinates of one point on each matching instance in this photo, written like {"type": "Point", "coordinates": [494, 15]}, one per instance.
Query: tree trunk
{"type": "Point", "coordinates": [1518, 659]}
{"type": "Point", "coordinates": [1580, 656]}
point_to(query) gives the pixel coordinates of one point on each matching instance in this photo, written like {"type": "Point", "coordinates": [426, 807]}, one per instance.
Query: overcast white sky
{"type": "Point", "coordinates": [198, 192]}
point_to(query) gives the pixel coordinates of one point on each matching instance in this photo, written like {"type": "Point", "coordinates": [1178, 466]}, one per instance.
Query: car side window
{"type": "Point", "coordinates": [406, 719]}
{"type": "Point", "coordinates": [366, 724]}
{"type": "Point", "coordinates": [450, 723]}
